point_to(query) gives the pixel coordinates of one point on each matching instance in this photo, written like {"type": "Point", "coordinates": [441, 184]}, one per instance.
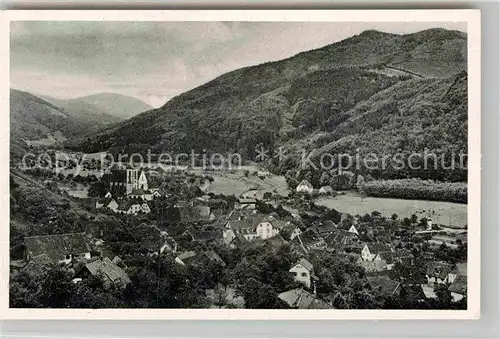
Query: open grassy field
{"type": "Point", "coordinates": [445, 213]}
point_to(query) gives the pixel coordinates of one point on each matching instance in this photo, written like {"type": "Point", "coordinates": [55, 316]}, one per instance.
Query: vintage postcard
{"type": "Point", "coordinates": [241, 164]}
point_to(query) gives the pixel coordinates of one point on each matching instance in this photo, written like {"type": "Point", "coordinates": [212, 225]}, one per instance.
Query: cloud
{"type": "Point", "coordinates": [155, 61]}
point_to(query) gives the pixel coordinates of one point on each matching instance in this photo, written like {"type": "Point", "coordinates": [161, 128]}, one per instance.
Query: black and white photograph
{"type": "Point", "coordinates": [243, 162]}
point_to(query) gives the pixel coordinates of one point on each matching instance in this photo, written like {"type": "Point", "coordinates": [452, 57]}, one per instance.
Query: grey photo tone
{"type": "Point", "coordinates": [257, 165]}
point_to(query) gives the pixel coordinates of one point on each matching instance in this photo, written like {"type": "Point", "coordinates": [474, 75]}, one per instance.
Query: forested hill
{"type": "Point", "coordinates": [364, 87]}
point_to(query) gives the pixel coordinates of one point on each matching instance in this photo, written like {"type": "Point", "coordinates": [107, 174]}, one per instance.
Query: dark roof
{"type": "Point", "coordinates": [414, 292]}
{"type": "Point", "coordinates": [137, 192]}
{"type": "Point", "coordinates": [57, 246]}
{"type": "Point", "coordinates": [384, 285]}
{"type": "Point", "coordinates": [195, 213]}
{"type": "Point", "coordinates": [214, 257]}
{"type": "Point", "coordinates": [377, 247]}
{"type": "Point", "coordinates": [116, 175]}
{"type": "Point", "coordinates": [187, 257]}
{"type": "Point", "coordinates": [275, 241]}
{"type": "Point", "coordinates": [326, 226]}
{"type": "Point", "coordinates": [438, 270]}
{"type": "Point", "coordinates": [459, 285]}
{"type": "Point", "coordinates": [301, 299]}
{"type": "Point", "coordinates": [125, 205]}
{"type": "Point", "coordinates": [308, 238]}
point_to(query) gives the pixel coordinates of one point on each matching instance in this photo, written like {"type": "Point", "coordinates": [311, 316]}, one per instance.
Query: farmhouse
{"type": "Point", "coordinates": [106, 270]}
{"type": "Point", "coordinates": [305, 187]}
{"type": "Point", "coordinates": [61, 248]}
{"type": "Point", "coordinates": [309, 240]}
{"type": "Point", "coordinates": [437, 272]}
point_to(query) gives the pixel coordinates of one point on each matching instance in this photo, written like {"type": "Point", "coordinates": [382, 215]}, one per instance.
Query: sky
{"type": "Point", "coordinates": [155, 61]}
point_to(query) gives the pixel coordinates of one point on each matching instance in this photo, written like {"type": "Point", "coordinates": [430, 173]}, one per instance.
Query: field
{"type": "Point", "coordinates": [445, 213]}
{"type": "Point", "coordinates": [238, 184]}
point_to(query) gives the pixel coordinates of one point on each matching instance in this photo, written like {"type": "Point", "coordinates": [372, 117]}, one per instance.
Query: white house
{"type": "Point", "coordinates": [302, 271]}
{"type": "Point", "coordinates": [108, 195]}
{"type": "Point", "coordinates": [106, 203]}
{"type": "Point", "coordinates": [251, 228]}
{"type": "Point", "coordinates": [371, 250]}
{"type": "Point", "coordinates": [133, 208]}
{"type": "Point", "coordinates": [305, 187]}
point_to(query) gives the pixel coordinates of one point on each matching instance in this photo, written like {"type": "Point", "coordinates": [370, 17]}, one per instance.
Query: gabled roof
{"type": "Point", "coordinates": [305, 263]}
{"type": "Point", "coordinates": [57, 246]}
{"type": "Point", "coordinates": [125, 205]}
{"type": "Point", "coordinates": [384, 285]}
{"type": "Point", "coordinates": [305, 183]}
{"type": "Point", "coordinates": [414, 292]}
{"type": "Point", "coordinates": [375, 248]}
{"type": "Point", "coordinates": [110, 270]}
{"type": "Point", "coordinates": [459, 285]}
{"type": "Point", "coordinates": [308, 238]}
{"type": "Point", "coordinates": [326, 226]}
{"type": "Point", "coordinates": [186, 257]}
{"type": "Point", "coordinates": [438, 270]}
{"type": "Point", "coordinates": [301, 299]}
{"type": "Point", "coordinates": [214, 257]}
{"type": "Point", "coordinates": [137, 192]}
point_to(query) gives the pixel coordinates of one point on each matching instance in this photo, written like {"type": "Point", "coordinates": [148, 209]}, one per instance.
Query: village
{"type": "Point", "coordinates": [172, 218]}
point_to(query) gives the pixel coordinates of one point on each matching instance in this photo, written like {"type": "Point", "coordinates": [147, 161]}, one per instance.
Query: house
{"type": "Point", "coordinates": [109, 203]}
{"type": "Point", "coordinates": [108, 195]}
{"type": "Point", "coordinates": [458, 288]}
{"type": "Point", "coordinates": [275, 242]}
{"type": "Point", "coordinates": [459, 270]}
{"type": "Point", "coordinates": [132, 207]}
{"type": "Point", "coordinates": [437, 272]}
{"type": "Point", "coordinates": [192, 258]}
{"type": "Point", "coordinates": [193, 214]}
{"type": "Point", "coordinates": [309, 240]}
{"type": "Point", "coordinates": [370, 250]}
{"type": "Point", "coordinates": [301, 299]}
{"type": "Point", "coordinates": [304, 187]}
{"type": "Point", "coordinates": [213, 257]}
{"type": "Point", "coordinates": [384, 285]}
{"type": "Point", "coordinates": [290, 231]}
{"type": "Point", "coordinates": [339, 240]}
{"type": "Point", "coordinates": [245, 204]}
{"type": "Point", "coordinates": [204, 236]}
{"type": "Point", "coordinates": [185, 258]}
{"type": "Point", "coordinates": [325, 190]}
{"type": "Point", "coordinates": [107, 270]}
{"type": "Point", "coordinates": [154, 240]}
{"type": "Point", "coordinates": [60, 248]}
{"type": "Point", "coordinates": [303, 272]}
{"type": "Point", "coordinates": [251, 228]}
{"type": "Point", "coordinates": [413, 293]}
{"type": "Point", "coordinates": [326, 227]}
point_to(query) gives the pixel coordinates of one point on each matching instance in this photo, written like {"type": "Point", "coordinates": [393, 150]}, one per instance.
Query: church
{"type": "Point", "coordinates": [124, 181]}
